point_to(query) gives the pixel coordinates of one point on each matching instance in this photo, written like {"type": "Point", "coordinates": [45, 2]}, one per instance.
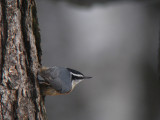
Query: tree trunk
{"type": "Point", "coordinates": [20, 58]}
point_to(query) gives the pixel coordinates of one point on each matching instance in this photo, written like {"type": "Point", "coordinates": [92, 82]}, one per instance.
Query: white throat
{"type": "Point", "coordinates": [75, 82]}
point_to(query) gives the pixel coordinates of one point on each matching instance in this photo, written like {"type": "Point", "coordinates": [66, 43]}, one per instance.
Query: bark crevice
{"type": "Point", "coordinates": [4, 33]}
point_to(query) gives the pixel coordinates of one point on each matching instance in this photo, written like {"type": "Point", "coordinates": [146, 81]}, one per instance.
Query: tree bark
{"type": "Point", "coordinates": [20, 58]}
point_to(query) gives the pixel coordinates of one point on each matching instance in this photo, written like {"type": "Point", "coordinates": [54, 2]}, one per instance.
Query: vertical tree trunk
{"type": "Point", "coordinates": [20, 57]}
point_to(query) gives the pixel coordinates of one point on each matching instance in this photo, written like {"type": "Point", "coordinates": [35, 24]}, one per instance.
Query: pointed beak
{"type": "Point", "coordinates": [86, 77]}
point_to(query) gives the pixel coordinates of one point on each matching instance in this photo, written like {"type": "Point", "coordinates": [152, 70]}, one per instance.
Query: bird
{"type": "Point", "coordinates": [58, 80]}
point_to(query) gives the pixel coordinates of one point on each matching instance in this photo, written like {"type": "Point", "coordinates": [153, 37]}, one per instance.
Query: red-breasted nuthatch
{"type": "Point", "coordinates": [59, 80]}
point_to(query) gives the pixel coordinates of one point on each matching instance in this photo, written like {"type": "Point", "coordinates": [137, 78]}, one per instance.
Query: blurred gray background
{"type": "Point", "coordinates": [117, 44]}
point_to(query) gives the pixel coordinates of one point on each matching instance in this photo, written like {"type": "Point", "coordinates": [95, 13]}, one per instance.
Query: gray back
{"type": "Point", "coordinates": [59, 78]}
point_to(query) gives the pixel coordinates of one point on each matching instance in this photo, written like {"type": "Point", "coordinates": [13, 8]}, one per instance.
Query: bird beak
{"type": "Point", "coordinates": [86, 77]}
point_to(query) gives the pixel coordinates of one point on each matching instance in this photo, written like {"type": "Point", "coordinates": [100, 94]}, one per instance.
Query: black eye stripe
{"type": "Point", "coordinates": [76, 77]}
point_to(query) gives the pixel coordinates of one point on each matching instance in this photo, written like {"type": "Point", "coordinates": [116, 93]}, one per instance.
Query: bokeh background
{"type": "Point", "coordinates": [114, 42]}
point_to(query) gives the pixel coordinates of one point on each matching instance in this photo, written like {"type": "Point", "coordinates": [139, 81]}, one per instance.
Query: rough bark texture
{"type": "Point", "coordinates": [20, 57]}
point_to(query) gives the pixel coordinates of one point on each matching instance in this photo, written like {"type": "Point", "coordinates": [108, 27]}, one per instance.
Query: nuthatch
{"type": "Point", "coordinates": [59, 80]}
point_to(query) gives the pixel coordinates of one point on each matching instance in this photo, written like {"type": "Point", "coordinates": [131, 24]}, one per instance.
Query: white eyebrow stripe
{"type": "Point", "coordinates": [78, 75]}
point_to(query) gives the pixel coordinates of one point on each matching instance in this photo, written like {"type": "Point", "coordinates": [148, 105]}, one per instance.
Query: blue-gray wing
{"type": "Point", "coordinates": [58, 78]}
